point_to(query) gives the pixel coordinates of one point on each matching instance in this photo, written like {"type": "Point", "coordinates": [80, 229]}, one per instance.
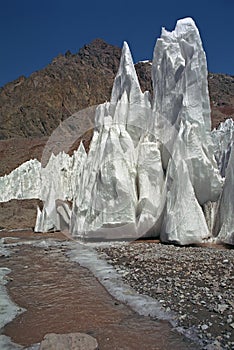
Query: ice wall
{"type": "Point", "coordinates": [55, 184]}
{"type": "Point", "coordinates": [22, 183]}
{"type": "Point", "coordinates": [60, 182]}
{"type": "Point", "coordinates": [223, 140]}
{"type": "Point", "coordinates": [224, 221]}
{"type": "Point", "coordinates": [184, 221]}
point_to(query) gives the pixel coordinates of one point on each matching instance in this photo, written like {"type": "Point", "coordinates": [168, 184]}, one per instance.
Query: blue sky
{"type": "Point", "coordinates": [33, 32]}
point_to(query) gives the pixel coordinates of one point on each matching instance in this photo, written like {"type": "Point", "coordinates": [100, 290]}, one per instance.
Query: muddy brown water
{"type": "Point", "coordinates": [62, 297]}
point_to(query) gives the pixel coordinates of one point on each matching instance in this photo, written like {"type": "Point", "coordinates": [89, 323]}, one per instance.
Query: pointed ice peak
{"type": "Point", "coordinates": [126, 62]}
{"type": "Point", "coordinates": [81, 148]}
{"type": "Point", "coordinates": [226, 126]}
{"type": "Point", "coordinates": [183, 26]}
{"type": "Point", "coordinates": [126, 78]}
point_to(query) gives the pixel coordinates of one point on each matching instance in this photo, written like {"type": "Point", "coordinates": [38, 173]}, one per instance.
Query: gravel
{"type": "Point", "coordinates": [195, 283]}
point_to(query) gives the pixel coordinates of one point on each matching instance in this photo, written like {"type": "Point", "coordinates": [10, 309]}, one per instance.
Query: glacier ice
{"type": "Point", "coordinates": [22, 183]}
{"type": "Point", "coordinates": [154, 168]}
{"type": "Point", "coordinates": [179, 75]}
{"type": "Point", "coordinates": [223, 139]}
{"type": "Point", "coordinates": [151, 189]}
{"type": "Point", "coordinates": [106, 205]}
{"type": "Point", "coordinates": [59, 182]}
{"type": "Point", "coordinates": [224, 221]}
{"type": "Point", "coordinates": [184, 222]}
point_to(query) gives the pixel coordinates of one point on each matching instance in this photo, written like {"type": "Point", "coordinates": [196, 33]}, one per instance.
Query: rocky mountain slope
{"type": "Point", "coordinates": [221, 89]}
{"type": "Point", "coordinates": [34, 106]}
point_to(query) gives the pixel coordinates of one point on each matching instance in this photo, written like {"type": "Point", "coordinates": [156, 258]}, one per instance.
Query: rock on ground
{"type": "Point", "coordinates": [71, 341]}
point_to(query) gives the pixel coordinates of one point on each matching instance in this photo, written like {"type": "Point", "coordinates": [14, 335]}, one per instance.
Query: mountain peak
{"type": "Point", "coordinates": [98, 47]}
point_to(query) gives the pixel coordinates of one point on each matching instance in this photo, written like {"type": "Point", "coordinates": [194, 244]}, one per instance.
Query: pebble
{"type": "Point", "coordinates": [204, 327]}
{"type": "Point", "coordinates": [195, 283]}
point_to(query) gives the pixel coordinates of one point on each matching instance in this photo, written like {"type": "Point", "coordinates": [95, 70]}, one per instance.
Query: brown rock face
{"type": "Point", "coordinates": [221, 89]}
{"type": "Point", "coordinates": [19, 214]}
{"type": "Point", "coordinates": [34, 106]}
{"type": "Point", "coordinates": [143, 70]}
{"type": "Point", "coordinates": [16, 151]}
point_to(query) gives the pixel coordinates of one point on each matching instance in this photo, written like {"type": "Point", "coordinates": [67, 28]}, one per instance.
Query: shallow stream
{"type": "Point", "coordinates": [60, 296]}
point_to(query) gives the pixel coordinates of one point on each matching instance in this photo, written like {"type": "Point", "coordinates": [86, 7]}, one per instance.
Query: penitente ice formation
{"type": "Point", "coordinates": [154, 168]}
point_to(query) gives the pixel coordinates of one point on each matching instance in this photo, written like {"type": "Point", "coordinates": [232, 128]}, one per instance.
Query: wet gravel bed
{"type": "Point", "coordinates": [194, 283]}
